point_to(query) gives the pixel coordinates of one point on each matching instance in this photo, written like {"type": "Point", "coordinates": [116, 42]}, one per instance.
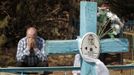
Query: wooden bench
{"type": "Point", "coordinates": [65, 47]}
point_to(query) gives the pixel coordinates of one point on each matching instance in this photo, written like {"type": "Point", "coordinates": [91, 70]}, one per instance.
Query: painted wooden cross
{"type": "Point", "coordinates": [88, 23]}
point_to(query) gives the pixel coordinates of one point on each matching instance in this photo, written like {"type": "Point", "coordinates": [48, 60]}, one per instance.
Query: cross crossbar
{"type": "Point", "coordinates": [71, 46]}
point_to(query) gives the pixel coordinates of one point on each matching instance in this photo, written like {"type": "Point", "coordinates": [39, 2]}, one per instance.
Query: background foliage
{"type": "Point", "coordinates": [55, 19]}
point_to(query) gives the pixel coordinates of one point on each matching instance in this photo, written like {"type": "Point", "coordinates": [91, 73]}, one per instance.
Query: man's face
{"type": "Point", "coordinates": [31, 33]}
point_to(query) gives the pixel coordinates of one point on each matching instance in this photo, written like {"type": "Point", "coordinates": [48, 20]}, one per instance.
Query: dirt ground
{"type": "Point", "coordinates": [112, 72]}
{"type": "Point", "coordinates": [54, 73]}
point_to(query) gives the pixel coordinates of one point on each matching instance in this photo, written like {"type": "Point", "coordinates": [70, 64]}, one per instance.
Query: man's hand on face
{"type": "Point", "coordinates": [31, 43]}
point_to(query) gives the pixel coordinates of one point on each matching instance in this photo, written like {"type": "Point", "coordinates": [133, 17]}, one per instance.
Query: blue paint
{"type": "Point", "coordinates": [71, 46]}
{"type": "Point", "coordinates": [114, 45]}
{"type": "Point", "coordinates": [88, 21]}
{"type": "Point", "coordinates": [38, 69]}
{"type": "Point", "coordinates": [88, 18]}
{"type": "Point", "coordinates": [121, 67]}
{"type": "Point", "coordinates": [88, 68]}
{"type": "Point", "coordinates": [61, 46]}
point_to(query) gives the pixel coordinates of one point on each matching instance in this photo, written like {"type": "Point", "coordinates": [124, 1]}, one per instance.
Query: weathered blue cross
{"type": "Point", "coordinates": [88, 23]}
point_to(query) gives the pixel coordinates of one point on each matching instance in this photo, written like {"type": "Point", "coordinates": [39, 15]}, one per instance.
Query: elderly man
{"type": "Point", "coordinates": [30, 50]}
